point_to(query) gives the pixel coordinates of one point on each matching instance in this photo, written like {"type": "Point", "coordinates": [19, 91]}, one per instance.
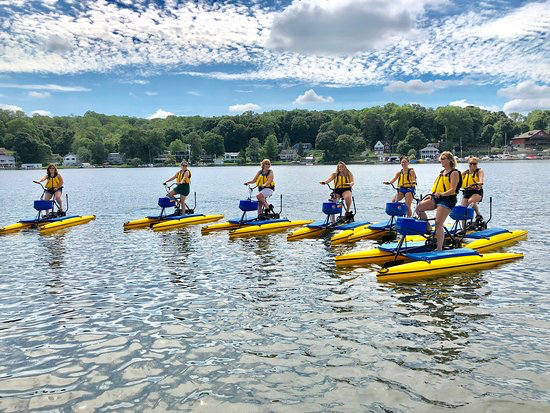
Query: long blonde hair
{"type": "Point", "coordinates": [48, 171]}
{"type": "Point", "coordinates": [346, 170]}
{"type": "Point", "coordinates": [449, 155]}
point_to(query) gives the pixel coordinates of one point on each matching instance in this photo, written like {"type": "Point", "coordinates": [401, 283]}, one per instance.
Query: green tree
{"type": "Point", "coordinates": [194, 140]}
{"type": "Point", "coordinates": [176, 146]}
{"type": "Point", "coordinates": [84, 154]}
{"type": "Point", "coordinates": [270, 150]}
{"type": "Point", "coordinates": [253, 150]}
{"type": "Point", "coordinates": [29, 149]}
{"type": "Point", "coordinates": [212, 143]}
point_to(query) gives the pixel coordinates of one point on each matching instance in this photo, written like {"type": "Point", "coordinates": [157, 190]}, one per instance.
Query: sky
{"type": "Point", "coordinates": [152, 59]}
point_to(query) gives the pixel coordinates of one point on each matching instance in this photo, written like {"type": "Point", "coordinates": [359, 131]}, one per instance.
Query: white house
{"type": "Point", "coordinates": [288, 155]}
{"type": "Point", "coordinates": [71, 160]}
{"type": "Point", "coordinates": [6, 160]}
{"type": "Point", "coordinates": [31, 166]}
{"type": "Point", "coordinates": [115, 158]}
{"type": "Point", "coordinates": [379, 148]}
{"type": "Point", "coordinates": [231, 157]}
{"type": "Point", "coordinates": [429, 152]}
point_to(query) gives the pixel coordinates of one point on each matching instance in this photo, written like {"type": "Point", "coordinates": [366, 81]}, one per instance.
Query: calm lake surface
{"type": "Point", "coordinates": [96, 319]}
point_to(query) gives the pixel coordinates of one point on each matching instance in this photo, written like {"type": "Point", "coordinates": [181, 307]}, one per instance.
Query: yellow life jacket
{"type": "Point", "coordinates": [443, 182]}
{"type": "Point", "coordinates": [262, 179]}
{"type": "Point", "coordinates": [342, 181]}
{"type": "Point", "coordinates": [52, 183]}
{"type": "Point", "coordinates": [405, 180]}
{"type": "Point", "coordinates": [469, 179]}
{"type": "Point", "coordinates": [179, 177]}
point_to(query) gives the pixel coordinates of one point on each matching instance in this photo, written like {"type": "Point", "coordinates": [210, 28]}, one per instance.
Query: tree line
{"type": "Point", "coordinates": [340, 134]}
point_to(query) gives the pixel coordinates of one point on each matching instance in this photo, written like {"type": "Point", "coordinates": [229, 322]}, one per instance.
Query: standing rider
{"type": "Point", "coordinates": [343, 181]}
{"type": "Point", "coordinates": [406, 184]}
{"type": "Point", "coordinates": [443, 197]}
{"type": "Point", "coordinates": [472, 182]}
{"type": "Point", "coordinates": [54, 187]}
{"type": "Point", "coordinates": [183, 179]}
{"type": "Point", "coordinates": [266, 186]}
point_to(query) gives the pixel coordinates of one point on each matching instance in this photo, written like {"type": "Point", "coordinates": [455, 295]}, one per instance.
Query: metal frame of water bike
{"type": "Point", "coordinates": [340, 201]}
{"type": "Point", "coordinates": [271, 214]}
{"type": "Point", "coordinates": [392, 233]}
{"type": "Point", "coordinates": [188, 210]}
{"type": "Point", "coordinates": [56, 213]}
{"type": "Point", "coordinates": [479, 225]}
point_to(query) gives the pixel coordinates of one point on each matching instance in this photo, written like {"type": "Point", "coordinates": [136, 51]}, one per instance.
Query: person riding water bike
{"type": "Point", "coordinates": [343, 181]}
{"type": "Point", "coordinates": [264, 180]}
{"type": "Point", "coordinates": [406, 184]}
{"type": "Point", "coordinates": [54, 187]}
{"type": "Point", "coordinates": [443, 197]}
{"type": "Point", "coordinates": [472, 183]}
{"type": "Point", "coordinates": [183, 180]}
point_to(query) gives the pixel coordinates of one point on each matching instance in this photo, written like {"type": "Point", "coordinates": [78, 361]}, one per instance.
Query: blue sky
{"type": "Point", "coordinates": [155, 58]}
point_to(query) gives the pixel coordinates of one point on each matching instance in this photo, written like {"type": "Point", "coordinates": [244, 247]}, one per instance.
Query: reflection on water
{"type": "Point", "coordinates": [96, 319]}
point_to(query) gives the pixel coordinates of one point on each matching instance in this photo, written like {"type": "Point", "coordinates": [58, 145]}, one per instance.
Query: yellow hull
{"type": "Point", "coordinates": [377, 256]}
{"type": "Point", "coordinates": [343, 236]}
{"type": "Point", "coordinates": [267, 228]}
{"type": "Point", "coordinates": [366, 233]}
{"type": "Point", "coordinates": [223, 226]}
{"type": "Point", "coordinates": [179, 223]}
{"type": "Point", "coordinates": [305, 232]}
{"type": "Point", "coordinates": [423, 269]}
{"type": "Point", "coordinates": [66, 223]}
{"type": "Point", "coordinates": [497, 241]}
{"type": "Point", "coordinates": [141, 223]}
{"type": "Point", "coordinates": [10, 229]}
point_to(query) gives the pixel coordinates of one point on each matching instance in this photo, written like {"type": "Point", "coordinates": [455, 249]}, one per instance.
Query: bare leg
{"type": "Point", "coordinates": [441, 215]}
{"type": "Point", "coordinates": [183, 207]}
{"type": "Point", "coordinates": [59, 199]}
{"type": "Point", "coordinates": [409, 201]}
{"type": "Point", "coordinates": [426, 205]}
{"type": "Point", "coordinates": [262, 203]}
{"type": "Point", "coordinates": [347, 200]}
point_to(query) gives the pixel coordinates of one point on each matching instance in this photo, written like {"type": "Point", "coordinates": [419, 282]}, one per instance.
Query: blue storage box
{"type": "Point", "coordinates": [462, 213]}
{"type": "Point", "coordinates": [396, 209]}
{"type": "Point", "coordinates": [166, 202]}
{"type": "Point", "coordinates": [43, 205]}
{"type": "Point", "coordinates": [411, 226]}
{"type": "Point", "coordinates": [246, 205]}
{"type": "Point", "coordinates": [331, 208]}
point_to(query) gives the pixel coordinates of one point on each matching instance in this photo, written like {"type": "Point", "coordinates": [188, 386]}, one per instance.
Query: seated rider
{"type": "Point", "coordinates": [264, 180]}
{"type": "Point", "coordinates": [183, 180]}
{"type": "Point", "coordinates": [343, 181]}
{"type": "Point", "coordinates": [406, 184]}
{"type": "Point", "coordinates": [443, 197]}
{"type": "Point", "coordinates": [54, 187]}
{"type": "Point", "coordinates": [472, 182]}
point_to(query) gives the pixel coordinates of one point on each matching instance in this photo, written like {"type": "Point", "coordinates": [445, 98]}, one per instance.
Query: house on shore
{"type": "Point", "coordinates": [6, 160]}
{"type": "Point", "coordinates": [71, 160]}
{"type": "Point", "coordinates": [533, 139]}
{"type": "Point", "coordinates": [430, 152]}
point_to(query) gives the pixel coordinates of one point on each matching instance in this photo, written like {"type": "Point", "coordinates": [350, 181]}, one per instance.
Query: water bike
{"type": "Point", "coordinates": [335, 219]}
{"type": "Point", "coordinates": [48, 222]}
{"type": "Point", "coordinates": [268, 222]}
{"type": "Point", "coordinates": [414, 256]}
{"type": "Point", "coordinates": [181, 216]}
{"type": "Point", "coordinates": [384, 230]}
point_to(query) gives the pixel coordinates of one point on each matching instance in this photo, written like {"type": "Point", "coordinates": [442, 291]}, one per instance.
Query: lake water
{"type": "Point", "coordinates": [96, 319]}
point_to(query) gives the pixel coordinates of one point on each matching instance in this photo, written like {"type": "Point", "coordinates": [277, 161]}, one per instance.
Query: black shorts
{"type": "Point", "coordinates": [469, 192]}
{"type": "Point", "coordinates": [52, 192]}
{"type": "Point", "coordinates": [340, 191]}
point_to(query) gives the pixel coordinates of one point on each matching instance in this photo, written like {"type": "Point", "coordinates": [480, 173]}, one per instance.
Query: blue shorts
{"type": "Point", "coordinates": [404, 190]}
{"type": "Point", "coordinates": [445, 201]}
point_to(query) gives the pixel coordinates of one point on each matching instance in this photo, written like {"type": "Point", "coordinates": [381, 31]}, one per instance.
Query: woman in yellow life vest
{"type": "Point", "coordinates": [443, 197]}
{"type": "Point", "coordinates": [343, 181]}
{"type": "Point", "coordinates": [406, 184]}
{"type": "Point", "coordinates": [54, 186]}
{"type": "Point", "coordinates": [472, 182]}
{"type": "Point", "coordinates": [264, 180]}
{"type": "Point", "coordinates": [183, 179]}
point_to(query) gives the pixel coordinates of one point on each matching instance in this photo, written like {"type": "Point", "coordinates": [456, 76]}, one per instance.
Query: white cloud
{"type": "Point", "coordinates": [345, 26]}
{"type": "Point", "coordinates": [135, 81]}
{"type": "Point", "coordinates": [52, 87]}
{"type": "Point", "coordinates": [311, 97]}
{"type": "Point", "coordinates": [243, 91]}
{"type": "Point", "coordinates": [160, 114]}
{"type": "Point", "coordinates": [149, 93]}
{"type": "Point", "coordinates": [418, 86]}
{"type": "Point", "coordinates": [463, 103]}
{"type": "Point", "coordinates": [526, 96]}
{"type": "Point", "coordinates": [41, 112]}
{"type": "Point", "coordinates": [39, 95]}
{"type": "Point", "coordinates": [11, 108]}
{"type": "Point", "coordinates": [244, 108]}
{"type": "Point", "coordinates": [193, 93]}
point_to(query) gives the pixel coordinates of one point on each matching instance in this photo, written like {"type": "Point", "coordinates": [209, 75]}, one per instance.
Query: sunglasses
{"type": "Point", "coordinates": [473, 163]}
